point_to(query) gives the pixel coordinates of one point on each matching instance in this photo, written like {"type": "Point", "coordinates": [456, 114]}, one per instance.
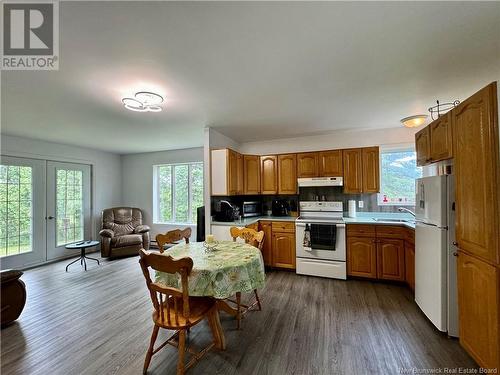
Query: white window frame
{"type": "Point", "coordinates": [386, 149]}
{"type": "Point", "coordinates": [156, 193]}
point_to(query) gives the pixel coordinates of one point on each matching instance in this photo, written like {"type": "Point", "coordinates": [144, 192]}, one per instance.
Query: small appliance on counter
{"type": "Point", "coordinates": [352, 208]}
{"type": "Point", "coordinates": [281, 207]}
{"type": "Point", "coordinates": [251, 209]}
{"type": "Point", "coordinates": [225, 211]}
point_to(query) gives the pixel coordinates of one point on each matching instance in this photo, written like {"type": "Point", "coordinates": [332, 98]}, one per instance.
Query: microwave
{"type": "Point", "coordinates": [250, 209]}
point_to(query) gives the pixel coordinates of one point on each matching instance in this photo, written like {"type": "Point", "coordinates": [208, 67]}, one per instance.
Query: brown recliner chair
{"type": "Point", "coordinates": [123, 232]}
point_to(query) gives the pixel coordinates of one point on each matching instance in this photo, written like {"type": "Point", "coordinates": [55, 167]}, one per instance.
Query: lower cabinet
{"type": "Point", "coordinates": [478, 306]}
{"type": "Point", "coordinates": [284, 250]}
{"type": "Point", "coordinates": [410, 265]}
{"type": "Point", "coordinates": [267, 246]}
{"type": "Point", "coordinates": [390, 259]}
{"type": "Point", "coordinates": [362, 257]}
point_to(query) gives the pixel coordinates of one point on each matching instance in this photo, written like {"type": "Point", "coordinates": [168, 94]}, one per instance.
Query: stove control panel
{"type": "Point", "coordinates": [319, 206]}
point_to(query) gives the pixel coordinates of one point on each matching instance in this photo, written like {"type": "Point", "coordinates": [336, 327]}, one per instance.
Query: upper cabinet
{"type": "Point", "coordinates": [352, 171]}
{"type": "Point", "coordinates": [269, 174]}
{"type": "Point", "coordinates": [423, 146]}
{"type": "Point", "coordinates": [441, 138]}
{"type": "Point", "coordinates": [371, 170]}
{"type": "Point", "coordinates": [251, 174]}
{"type": "Point", "coordinates": [434, 142]}
{"type": "Point", "coordinates": [330, 163]}
{"type": "Point", "coordinates": [307, 164]}
{"type": "Point", "coordinates": [225, 173]}
{"type": "Point", "coordinates": [287, 174]}
{"type": "Point", "coordinates": [476, 174]}
{"type": "Point", "coordinates": [234, 185]}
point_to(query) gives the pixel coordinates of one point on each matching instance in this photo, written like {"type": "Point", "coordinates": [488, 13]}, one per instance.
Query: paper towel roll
{"type": "Point", "coordinates": [352, 208]}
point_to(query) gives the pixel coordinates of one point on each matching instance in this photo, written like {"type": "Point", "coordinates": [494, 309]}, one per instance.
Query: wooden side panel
{"type": "Point", "coordinates": [390, 259]}
{"type": "Point", "coordinates": [410, 264]}
{"type": "Point", "coordinates": [269, 174]}
{"type": "Point", "coordinates": [307, 164]}
{"type": "Point", "coordinates": [476, 174]}
{"type": "Point", "coordinates": [352, 171]}
{"type": "Point", "coordinates": [441, 138]}
{"type": "Point", "coordinates": [287, 174]}
{"type": "Point", "coordinates": [251, 172]}
{"type": "Point", "coordinates": [362, 257]}
{"type": "Point", "coordinates": [330, 163]}
{"type": "Point", "coordinates": [284, 250]}
{"type": "Point", "coordinates": [479, 306]}
{"type": "Point", "coordinates": [268, 242]}
{"type": "Point", "coordinates": [423, 146]}
{"type": "Point", "coordinates": [371, 170]}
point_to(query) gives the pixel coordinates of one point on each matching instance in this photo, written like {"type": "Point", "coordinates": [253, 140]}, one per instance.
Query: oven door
{"type": "Point", "coordinates": [322, 244]}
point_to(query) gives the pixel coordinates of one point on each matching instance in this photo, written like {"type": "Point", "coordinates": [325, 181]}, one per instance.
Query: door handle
{"type": "Point", "coordinates": [50, 217]}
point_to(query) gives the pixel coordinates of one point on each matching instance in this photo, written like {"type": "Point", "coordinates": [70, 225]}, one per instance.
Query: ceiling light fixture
{"type": "Point", "coordinates": [413, 121]}
{"type": "Point", "coordinates": [144, 101]}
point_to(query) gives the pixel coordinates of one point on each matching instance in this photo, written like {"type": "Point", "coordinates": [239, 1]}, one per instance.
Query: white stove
{"type": "Point", "coordinates": [320, 239]}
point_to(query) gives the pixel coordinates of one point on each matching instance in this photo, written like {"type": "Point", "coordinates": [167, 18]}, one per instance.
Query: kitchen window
{"type": "Point", "coordinates": [398, 172]}
{"type": "Point", "coordinates": [178, 191]}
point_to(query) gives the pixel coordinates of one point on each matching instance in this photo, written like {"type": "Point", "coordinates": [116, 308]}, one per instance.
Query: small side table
{"type": "Point", "coordinates": [82, 245]}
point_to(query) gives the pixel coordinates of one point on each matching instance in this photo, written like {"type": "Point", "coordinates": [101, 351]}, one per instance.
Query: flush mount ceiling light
{"type": "Point", "coordinates": [413, 121]}
{"type": "Point", "coordinates": [144, 101]}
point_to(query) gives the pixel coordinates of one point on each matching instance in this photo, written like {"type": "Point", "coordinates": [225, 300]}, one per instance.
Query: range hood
{"type": "Point", "coordinates": [320, 181]}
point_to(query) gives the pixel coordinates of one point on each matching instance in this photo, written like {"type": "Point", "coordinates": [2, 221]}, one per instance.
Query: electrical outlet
{"type": "Point", "coordinates": [361, 204]}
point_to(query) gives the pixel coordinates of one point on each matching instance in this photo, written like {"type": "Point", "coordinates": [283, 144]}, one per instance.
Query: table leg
{"type": "Point", "coordinates": [216, 328]}
{"type": "Point", "coordinates": [76, 260]}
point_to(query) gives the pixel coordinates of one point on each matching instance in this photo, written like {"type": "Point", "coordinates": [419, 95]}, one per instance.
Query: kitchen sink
{"type": "Point", "coordinates": [394, 220]}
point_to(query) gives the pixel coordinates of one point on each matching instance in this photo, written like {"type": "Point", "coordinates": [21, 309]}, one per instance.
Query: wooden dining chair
{"type": "Point", "coordinates": [254, 238]}
{"type": "Point", "coordinates": [172, 236]}
{"type": "Point", "coordinates": [175, 310]}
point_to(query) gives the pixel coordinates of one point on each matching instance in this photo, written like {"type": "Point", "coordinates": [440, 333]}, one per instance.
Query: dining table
{"type": "Point", "coordinates": [220, 270]}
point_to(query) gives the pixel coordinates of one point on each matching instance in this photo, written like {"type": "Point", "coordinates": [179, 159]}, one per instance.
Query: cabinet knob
{"type": "Point", "coordinates": [455, 243]}
{"type": "Point", "coordinates": [455, 254]}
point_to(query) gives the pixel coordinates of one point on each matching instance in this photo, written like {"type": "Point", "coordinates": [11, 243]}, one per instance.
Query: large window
{"type": "Point", "coordinates": [16, 204]}
{"type": "Point", "coordinates": [398, 171]}
{"type": "Point", "coordinates": [178, 192]}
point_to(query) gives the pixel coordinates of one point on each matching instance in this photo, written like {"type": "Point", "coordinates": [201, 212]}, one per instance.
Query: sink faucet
{"type": "Point", "coordinates": [403, 209]}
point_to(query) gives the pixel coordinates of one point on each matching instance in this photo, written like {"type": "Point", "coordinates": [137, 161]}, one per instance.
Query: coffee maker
{"type": "Point", "coordinates": [281, 207]}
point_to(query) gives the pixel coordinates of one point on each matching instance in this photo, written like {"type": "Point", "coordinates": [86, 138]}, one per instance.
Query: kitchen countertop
{"type": "Point", "coordinates": [369, 218]}
{"type": "Point", "coordinates": [252, 220]}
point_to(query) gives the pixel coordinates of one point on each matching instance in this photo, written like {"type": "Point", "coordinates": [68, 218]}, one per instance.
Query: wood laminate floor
{"type": "Point", "coordinates": [98, 322]}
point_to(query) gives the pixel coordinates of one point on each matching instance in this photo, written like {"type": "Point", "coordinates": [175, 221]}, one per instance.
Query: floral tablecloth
{"type": "Point", "coordinates": [232, 267]}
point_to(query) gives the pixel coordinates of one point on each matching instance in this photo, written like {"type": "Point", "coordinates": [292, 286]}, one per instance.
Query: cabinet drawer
{"type": "Point", "coordinates": [283, 226]}
{"type": "Point", "coordinates": [361, 230]}
{"type": "Point", "coordinates": [410, 235]}
{"type": "Point", "coordinates": [391, 231]}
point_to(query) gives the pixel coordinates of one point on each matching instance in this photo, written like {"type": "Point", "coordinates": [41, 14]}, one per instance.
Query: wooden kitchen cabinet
{"type": "Point", "coordinates": [410, 265]}
{"type": "Point", "coordinates": [269, 174]}
{"type": "Point", "coordinates": [226, 168]}
{"type": "Point", "coordinates": [284, 250]}
{"type": "Point", "coordinates": [307, 164]}
{"type": "Point", "coordinates": [476, 174]}
{"type": "Point", "coordinates": [371, 173]}
{"type": "Point", "coordinates": [423, 146]}
{"type": "Point", "coordinates": [441, 145]}
{"type": "Point", "coordinates": [352, 171]}
{"type": "Point", "coordinates": [251, 174]}
{"type": "Point", "coordinates": [267, 246]}
{"type": "Point", "coordinates": [287, 174]}
{"type": "Point", "coordinates": [240, 188]}
{"type": "Point", "coordinates": [330, 163]}
{"type": "Point", "coordinates": [479, 306]}
{"type": "Point", "coordinates": [390, 259]}
{"type": "Point", "coordinates": [362, 257]}
{"type": "Point", "coordinates": [233, 177]}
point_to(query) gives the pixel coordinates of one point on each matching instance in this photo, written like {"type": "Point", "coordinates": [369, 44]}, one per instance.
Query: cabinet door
{"type": "Point", "coordinates": [352, 171]}
{"type": "Point", "coordinates": [240, 174]}
{"type": "Point", "coordinates": [441, 138]}
{"type": "Point", "coordinates": [371, 174]}
{"type": "Point", "coordinates": [251, 174]}
{"type": "Point", "coordinates": [284, 250]}
{"type": "Point", "coordinates": [423, 146]}
{"type": "Point", "coordinates": [307, 164]}
{"type": "Point", "coordinates": [267, 246]}
{"type": "Point", "coordinates": [362, 257]}
{"type": "Point", "coordinates": [476, 174]}
{"type": "Point", "coordinates": [287, 174]}
{"type": "Point", "coordinates": [232, 170]}
{"type": "Point", "coordinates": [330, 163]}
{"type": "Point", "coordinates": [479, 309]}
{"type": "Point", "coordinates": [410, 265]}
{"type": "Point", "coordinates": [269, 174]}
{"type": "Point", "coordinates": [390, 259]}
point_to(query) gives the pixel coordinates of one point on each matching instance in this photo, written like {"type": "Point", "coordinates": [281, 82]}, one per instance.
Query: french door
{"type": "Point", "coordinates": [44, 205]}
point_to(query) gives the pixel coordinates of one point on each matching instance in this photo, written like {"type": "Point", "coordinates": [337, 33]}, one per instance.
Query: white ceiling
{"type": "Point", "coordinates": [251, 70]}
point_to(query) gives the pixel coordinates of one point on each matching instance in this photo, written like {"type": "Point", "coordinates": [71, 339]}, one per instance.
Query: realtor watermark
{"type": "Point", "coordinates": [30, 35]}
{"type": "Point", "coordinates": [448, 370]}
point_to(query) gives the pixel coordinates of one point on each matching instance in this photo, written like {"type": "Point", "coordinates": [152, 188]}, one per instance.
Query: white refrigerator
{"type": "Point", "coordinates": [435, 252]}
